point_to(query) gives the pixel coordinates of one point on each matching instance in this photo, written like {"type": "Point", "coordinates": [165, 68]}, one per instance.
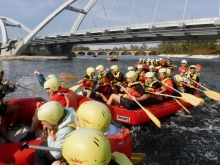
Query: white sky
{"type": "Point", "coordinates": [31, 13]}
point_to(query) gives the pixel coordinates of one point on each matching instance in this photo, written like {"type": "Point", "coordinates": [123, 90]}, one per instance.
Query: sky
{"type": "Point", "coordinates": [104, 13]}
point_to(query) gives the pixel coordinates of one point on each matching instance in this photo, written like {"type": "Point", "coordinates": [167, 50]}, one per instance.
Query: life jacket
{"type": "Point", "coordinates": [168, 81]}
{"type": "Point", "coordinates": [88, 84]}
{"type": "Point", "coordinates": [132, 92]}
{"type": "Point", "coordinates": [179, 82]}
{"type": "Point", "coordinates": [71, 100]}
{"type": "Point", "coordinates": [116, 79]}
{"type": "Point", "coordinates": [149, 88]}
{"type": "Point", "coordinates": [141, 77]}
{"type": "Point", "coordinates": [161, 63]}
{"type": "Point", "coordinates": [103, 80]}
{"type": "Point", "coordinates": [192, 79]}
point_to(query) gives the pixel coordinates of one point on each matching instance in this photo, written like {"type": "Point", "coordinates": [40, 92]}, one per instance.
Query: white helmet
{"type": "Point", "coordinates": [163, 70]}
{"type": "Point", "coordinates": [130, 68]}
{"type": "Point", "coordinates": [149, 74]}
{"type": "Point", "coordinates": [183, 62]}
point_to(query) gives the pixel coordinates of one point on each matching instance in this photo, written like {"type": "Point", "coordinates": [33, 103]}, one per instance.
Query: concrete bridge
{"type": "Point", "coordinates": [62, 42]}
{"type": "Point", "coordinates": [109, 52]}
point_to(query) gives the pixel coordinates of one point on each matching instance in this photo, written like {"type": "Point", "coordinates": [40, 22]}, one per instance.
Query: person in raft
{"type": "Point", "coordinates": [42, 79]}
{"type": "Point", "coordinates": [88, 82]}
{"type": "Point", "coordinates": [56, 93]}
{"type": "Point", "coordinates": [118, 78]}
{"type": "Point", "coordinates": [89, 146]}
{"type": "Point", "coordinates": [135, 89]}
{"type": "Point", "coordinates": [194, 79]}
{"type": "Point", "coordinates": [166, 87]}
{"type": "Point", "coordinates": [104, 78]}
{"type": "Point", "coordinates": [6, 109]}
{"type": "Point", "coordinates": [58, 123]}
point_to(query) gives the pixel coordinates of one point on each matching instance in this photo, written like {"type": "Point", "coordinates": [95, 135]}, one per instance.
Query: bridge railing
{"type": "Point", "coordinates": [134, 26]}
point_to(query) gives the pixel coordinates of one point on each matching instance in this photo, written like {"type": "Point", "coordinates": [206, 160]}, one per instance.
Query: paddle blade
{"type": "Point", "coordinates": [66, 77]}
{"type": "Point", "coordinates": [152, 117]}
{"type": "Point", "coordinates": [212, 94]}
{"type": "Point", "coordinates": [137, 157]}
{"type": "Point", "coordinates": [202, 102]}
{"type": "Point", "coordinates": [195, 101]}
{"type": "Point", "coordinates": [74, 88]}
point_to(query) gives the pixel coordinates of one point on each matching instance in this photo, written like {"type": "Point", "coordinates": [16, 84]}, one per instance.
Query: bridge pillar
{"type": "Point", "coordinates": [133, 52]}
{"type": "Point", "coordinates": [86, 53]}
{"type": "Point", "coordinates": [120, 53]}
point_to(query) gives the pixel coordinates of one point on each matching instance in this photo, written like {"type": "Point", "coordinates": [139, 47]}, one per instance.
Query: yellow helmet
{"type": "Point", "coordinates": [90, 70]}
{"type": "Point", "coordinates": [149, 74]}
{"type": "Point", "coordinates": [51, 112]}
{"type": "Point", "coordinates": [140, 59]}
{"type": "Point", "coordinates": [160, 59]}
{"type": "Point", "coordinates": [51, 76]}
{"type": "Point", "coordinates": [132, 74]}
{"type": "Point", "coordinates": [168, 72]}
{"type": "Point", "coordinates": [1, 71]}
{"type": "Point", "coordinates": [86, 146]}
{"type": "Point", "coordinates": [52, 83]}
{"type": "Point", "coordinates": [192, 66]}
{"type": "Point", "coordinates": [114, 67]}
{"type": "Point", "coordinates": [162, 70]}
{"type": "Point", "coordinates": [130, 68]}
{"type": "Point", "coordinates": [93, 114]}
{"type": "Point", "coordinates": [100, 67]}
{"type": "Point", "coordinates": [151, 66]}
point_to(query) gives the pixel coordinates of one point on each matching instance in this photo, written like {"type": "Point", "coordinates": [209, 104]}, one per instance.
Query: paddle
{"type": "Point", "coordinates": [182, 106]}
{"type": "Point", "coordinates": [211, 94]}
{"type": "Point", "coordinates": [135, 157]}
{"type": "Point", "coordinates": [67, 77]}
{"type": "Point", "coordinates": [30, 89]}
{"type": "Point", "coordinates": [195, 101]}
{"type": "Point", "coordinates": [149, 114]}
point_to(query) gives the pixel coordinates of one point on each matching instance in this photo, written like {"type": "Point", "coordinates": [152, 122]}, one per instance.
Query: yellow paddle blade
{"type": "Point", "coordinates": [79, 93]}
{"type": "Point", "coordinates": [212, 94]}
{"type": "Point", "coordinates": [137, 157]}
{"type": "Point", "coordinates": [182, 106]}
{"type": "Point", "coordinates": [66, 77]}
{"type": "Point", "coordinates": [74, 88]}
{"type": "Point", "coordinates": [195, 101]}
{"type": "Point", "coordinates": [202, 102]}
{"type": "Point", "coordinates": [151, 116]}
{"type": "Point", "coordinates": [121, 158]}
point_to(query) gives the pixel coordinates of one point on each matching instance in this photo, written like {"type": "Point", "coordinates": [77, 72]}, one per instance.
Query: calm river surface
{"type": "Point", "coordinates": [183, 139]}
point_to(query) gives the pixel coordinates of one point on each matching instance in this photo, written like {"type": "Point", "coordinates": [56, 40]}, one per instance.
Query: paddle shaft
{"type": "Point", "coordinates": [182, 106]}
{"type": "Point", "coordinates": [164, 95]}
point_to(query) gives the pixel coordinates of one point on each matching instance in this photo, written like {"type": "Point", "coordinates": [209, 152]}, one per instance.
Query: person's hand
{"type": "Point", "coordinates": [6, 82]}
{"type": "Point", "coordinates": [36, 72]}
{"type": "Point", "coordinates": [134, 98]}
{"type": "Point", "coordinates": [107, 70]}
{"type": "Point", "coordinates": [157, 93]}
{"type": "Point", "coordinates": [119, 83]}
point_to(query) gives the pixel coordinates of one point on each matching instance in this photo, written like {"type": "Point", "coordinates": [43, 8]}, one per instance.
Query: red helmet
{"type": "Point", "coordinates": [182, 69]}
{"type": "Point", "coordinates": [198, 66]}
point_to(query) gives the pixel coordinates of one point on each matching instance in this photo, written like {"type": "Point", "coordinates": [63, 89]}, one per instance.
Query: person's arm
{"type": "Point", "coordinates": [40, 78]}
{"type": "Point", "coordinates": [58, 142]}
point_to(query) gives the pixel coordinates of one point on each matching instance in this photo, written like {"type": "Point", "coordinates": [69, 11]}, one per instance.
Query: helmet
{"type": "Point", "coordinates": [192, 66]}
{"type": "Point", "coordinates": [1, 71]}
{"type": "Point", "coordinates": [140, 66]}
{"type": "Point", "coordinates": [160, 59]}
{"type": "Point", "coordinates": [140, 59]}
{"type": "Point", "coordinates": [86, 146]}
{"type": "Point", "coordinates": [198, 66]}
{"type": "Point", "coordinates": [51, 112]}
{"type": "Point", "coordinates": [151, 66]}
{"type": "Point", "coordinates": [149, 74]}
{"type": "Point", "coordinates": [157, 60]}
{"type": "Point", "coordinates": [168, 72]}
{"type": "Point", "coordinates": [114, 67]}
{"type": "Point", "coordinates": [168, 57]}
{"type": "Point", "coordinates": [162, 70]}
{"type": "Point", "coordinates": [182, 69]}
{"type": "Point", "coordinates": [132, 74]}
{"type": "Point", "coordinates": [93, 114]}
{"type": "Point", "coordinates": [130, 68]}
{"type": "Point", "coordinates": [51, 76]}
{"type": "Point", "coordinates": [52, 83]}
{"type": "Point", "coordinates": [90, 70]}
{"type": "Point", "coordinates": [100, 67]}
{"type": "Point", "coordinates": [183, 62]}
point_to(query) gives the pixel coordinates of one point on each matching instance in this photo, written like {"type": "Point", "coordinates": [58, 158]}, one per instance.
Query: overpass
{"type": "Point", "coordinates": [109, 52]}
{"type": "Point", "coordinates": [191, 29]}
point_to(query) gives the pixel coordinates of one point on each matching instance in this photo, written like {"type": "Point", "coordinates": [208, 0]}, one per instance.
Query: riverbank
{"type": "Point", "coordinates": [191, 56]}
{"type": "Point", "coordinates": [8, 58]}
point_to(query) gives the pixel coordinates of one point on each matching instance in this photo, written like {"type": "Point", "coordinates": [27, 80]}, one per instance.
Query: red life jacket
{"type": "Point", "coordinates": [132, 92]}
{"type": "Point", "coordinates": [88, 84]}
{"type": "Point", "coordinates": [168, 82]}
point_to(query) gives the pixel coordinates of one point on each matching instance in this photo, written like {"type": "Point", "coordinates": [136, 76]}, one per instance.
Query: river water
{"type": "Point", "coordinates": [183, 139]}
